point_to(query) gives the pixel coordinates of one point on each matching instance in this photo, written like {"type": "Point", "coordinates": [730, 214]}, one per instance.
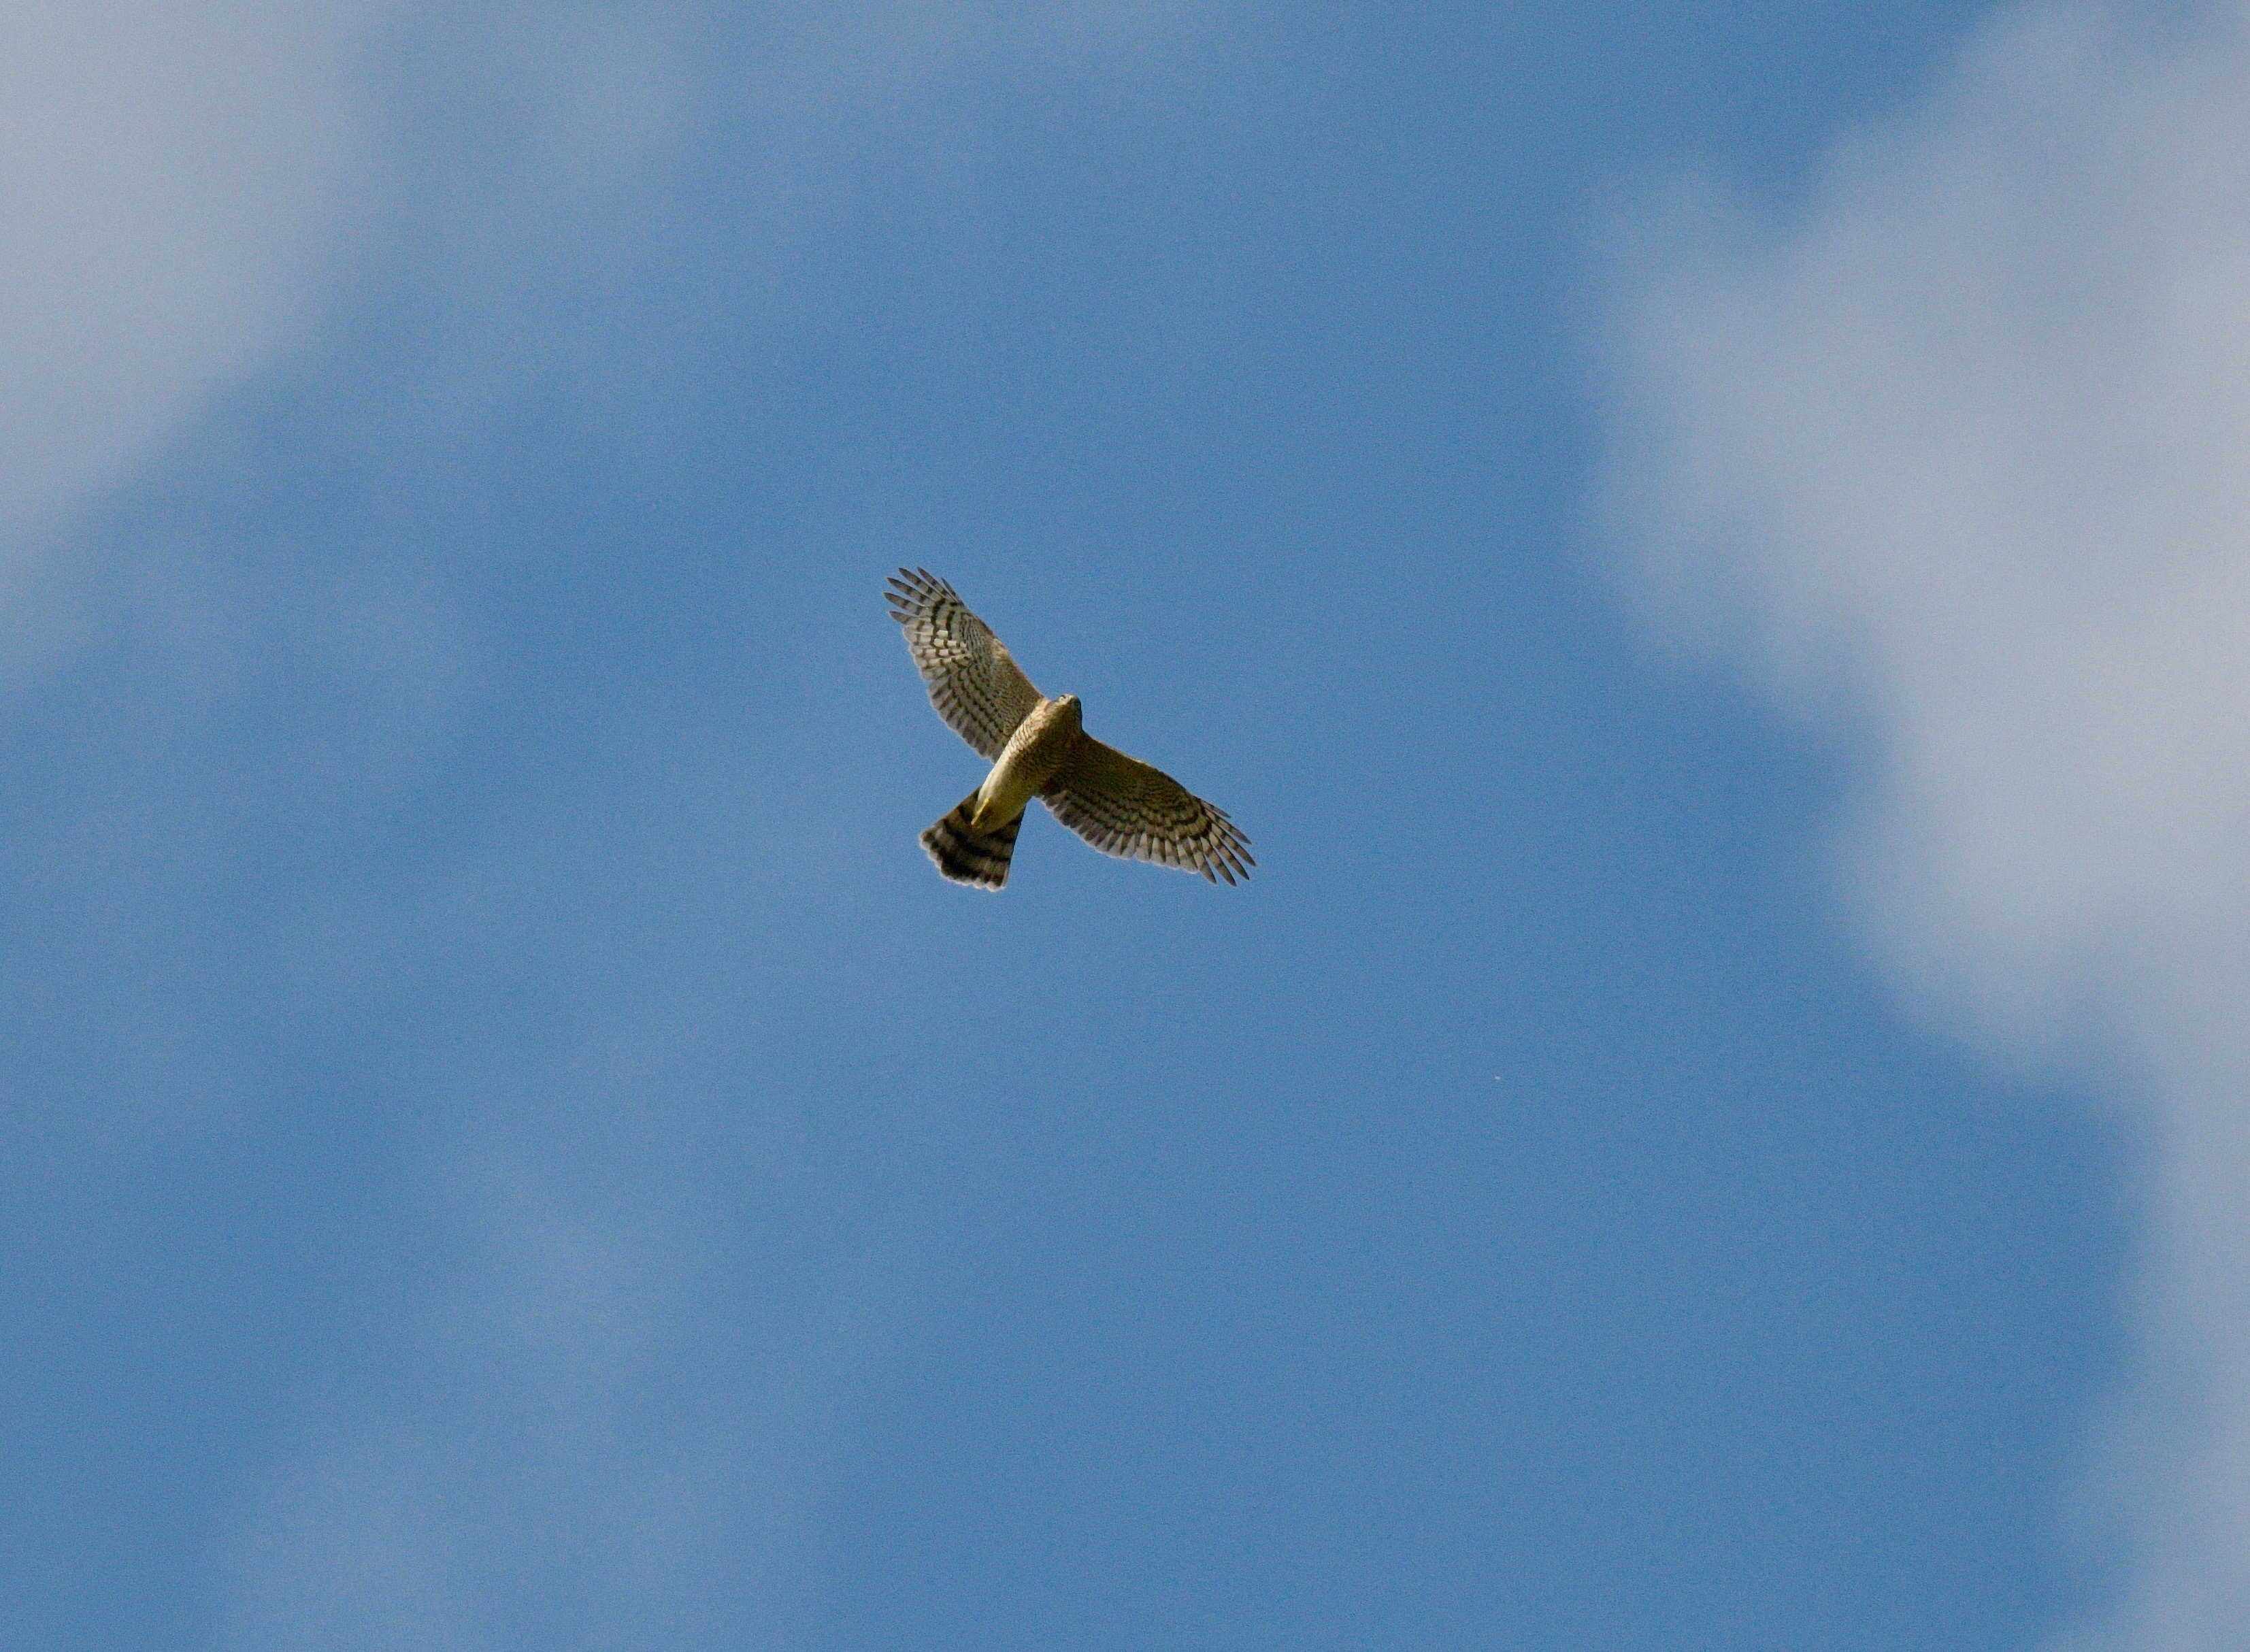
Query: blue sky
{"type": "Point", "coordinates": [512, 1144]}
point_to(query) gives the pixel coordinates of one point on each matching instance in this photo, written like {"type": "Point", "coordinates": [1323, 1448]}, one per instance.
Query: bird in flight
{"type": "Point", "coordinates": [1038, 748]}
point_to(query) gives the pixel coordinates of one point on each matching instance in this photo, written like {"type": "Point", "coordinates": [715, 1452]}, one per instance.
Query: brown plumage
{"type": "Point", "coordinates": [1037, 747]}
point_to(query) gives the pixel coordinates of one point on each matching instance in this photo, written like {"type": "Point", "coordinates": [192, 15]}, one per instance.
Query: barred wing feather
{"type": "Point", "coordinates": [976, 687]}
{"type": "Point", "coordinates": [1124, 807]}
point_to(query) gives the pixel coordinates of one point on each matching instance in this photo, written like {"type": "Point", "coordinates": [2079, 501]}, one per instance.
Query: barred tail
{"type": "Point", "coordinates": [965, 855]}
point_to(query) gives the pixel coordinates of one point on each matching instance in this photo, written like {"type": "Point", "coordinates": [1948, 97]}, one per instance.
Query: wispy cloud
{"type": "Point", "coordinates": [178, 182]}
{"type": "Point", "coordinates": [192, 191]}
{"type": "Point", "coordinates": [1963, 456]}
{"type": "Point", "coordinates": [606, 1422]}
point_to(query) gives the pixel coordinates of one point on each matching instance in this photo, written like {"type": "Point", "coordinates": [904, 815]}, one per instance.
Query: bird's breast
{"type": "Point", "coordinates": [1037, 747]}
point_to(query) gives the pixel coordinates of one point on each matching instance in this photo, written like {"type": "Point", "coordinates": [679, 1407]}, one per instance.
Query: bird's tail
{"type": "Point", "coordinates": [965, 855]}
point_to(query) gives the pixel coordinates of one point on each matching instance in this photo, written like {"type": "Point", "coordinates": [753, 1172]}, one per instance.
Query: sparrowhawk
{"type": "Point", "coordinates": [1038, 749]}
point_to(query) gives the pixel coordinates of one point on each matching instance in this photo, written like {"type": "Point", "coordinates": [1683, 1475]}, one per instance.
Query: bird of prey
{"type": "Point", "coordinates": [1038, 748]}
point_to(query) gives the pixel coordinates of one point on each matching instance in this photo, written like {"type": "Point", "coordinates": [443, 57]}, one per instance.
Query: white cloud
{"type": "Point", "coordinates": [176, 181]}
{"type": "Point", "coordinates": [1964, 455]}
{"type": "Point", "coordinates": [192, 188]}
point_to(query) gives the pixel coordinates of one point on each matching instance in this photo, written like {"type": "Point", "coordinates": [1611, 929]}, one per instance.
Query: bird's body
{"type": "Point", "coordinates": [1041, 744]}
{"type": "Point", "coordinates": [1038, 748]}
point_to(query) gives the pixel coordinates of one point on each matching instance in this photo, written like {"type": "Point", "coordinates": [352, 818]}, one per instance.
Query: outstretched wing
{"type": "Point", "coordinates": [1122, 806]}
{"type": "Point", "coordinates": [976, 687]}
